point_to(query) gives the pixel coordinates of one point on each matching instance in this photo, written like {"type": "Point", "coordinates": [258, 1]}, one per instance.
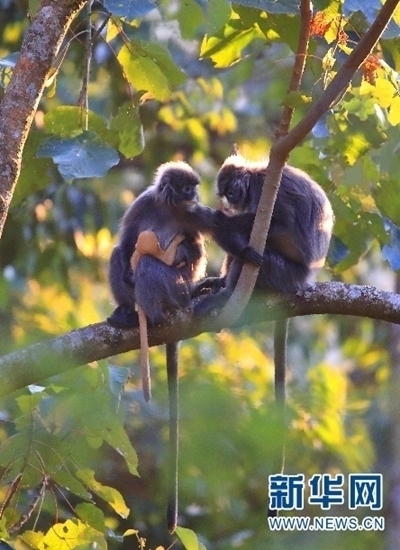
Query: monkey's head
{"type": "Point", "coordinates": [233, 182]}
{"type": "Point", "coordinates": [176, 183]}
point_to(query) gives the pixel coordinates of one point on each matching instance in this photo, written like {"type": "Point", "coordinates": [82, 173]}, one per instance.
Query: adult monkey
{"type": "Point", "coordinates": [298, 237]}
{"type": "Point", "coordinates": [296, 247]}
{"type": "Point", "coordinates": [154, 224]}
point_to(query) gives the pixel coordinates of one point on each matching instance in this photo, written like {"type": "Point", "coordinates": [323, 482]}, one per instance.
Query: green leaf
{"type": "Point", "coordinates": [84, 156]}
{"type": "Point", "coordinates": [387, 199]}
{"type": "Point", "coordinates": [218, 12]}
{"type": "Point", "coordinates": [188, 538]}
{"type": "Point", "coordinates": [225, 47]}
{"type": "Point", "coordinates": [90, 514]}
{"type": "Point", "coordinates": [150, 68]}
{"type": "Point", "coordinates": [272, 6]}
{"type": "Point", "coordinates": [190, 16]}
{"type": "Point", "coordinates": [109, 494]}
{"type": "Point", "coordinates": [95, 419]}
{"type": "Point", "coordinates": [68, 121]}
{"type": "Point", "coordinates": [69, 482]}
{"type": "Point", "coordinates": [130, 130]}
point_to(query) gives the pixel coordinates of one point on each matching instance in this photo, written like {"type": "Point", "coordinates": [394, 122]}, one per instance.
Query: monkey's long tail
{"type": "Point", "coordinates": [173, 456]}
{"type": "Point", "coordinates": [280, 347]}
{"type": "Point", "coordinates": [280, 360]}
{"type": "Point", "coordinates": [144, 354]}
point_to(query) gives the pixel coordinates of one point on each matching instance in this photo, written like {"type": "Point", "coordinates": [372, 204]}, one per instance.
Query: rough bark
{"type": "Point", "coordinates": [17, 110]}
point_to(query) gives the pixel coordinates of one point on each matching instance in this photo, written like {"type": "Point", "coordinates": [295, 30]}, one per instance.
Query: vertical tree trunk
{"type": "Point", "coordinates": [39, 49]}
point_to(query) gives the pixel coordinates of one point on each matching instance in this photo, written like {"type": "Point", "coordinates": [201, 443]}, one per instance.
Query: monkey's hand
{"type": "Point", "coordinates": [249, 254]}
{"type": "Point", "coordinates": [204, 214]}
{"type": "Point", "coordinates": [209, 285]}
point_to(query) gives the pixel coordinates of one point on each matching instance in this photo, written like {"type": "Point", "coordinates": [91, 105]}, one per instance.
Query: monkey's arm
{"type": "Point", "coordinates": [231, 233]}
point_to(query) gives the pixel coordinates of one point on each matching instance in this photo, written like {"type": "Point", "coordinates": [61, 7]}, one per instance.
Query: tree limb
{"type": "Point", "coordinates": [99, 341]}
{"type": "Point", "coordinates": [21, 98]}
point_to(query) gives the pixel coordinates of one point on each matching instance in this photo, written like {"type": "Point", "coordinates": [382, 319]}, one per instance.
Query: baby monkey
{"type": "Point", "coordinates": [147, 244]}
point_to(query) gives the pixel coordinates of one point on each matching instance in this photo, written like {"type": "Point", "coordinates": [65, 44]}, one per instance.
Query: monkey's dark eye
{"type": "Point", "coordinates": [187, 188]}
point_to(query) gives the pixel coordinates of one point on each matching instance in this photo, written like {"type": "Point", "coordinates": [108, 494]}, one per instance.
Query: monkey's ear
{"type": "Point", "coordinates": [164, 182]}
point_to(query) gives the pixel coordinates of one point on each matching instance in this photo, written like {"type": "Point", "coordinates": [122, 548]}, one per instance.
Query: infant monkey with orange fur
{"type": "Point", "coordinates": [148, 244]}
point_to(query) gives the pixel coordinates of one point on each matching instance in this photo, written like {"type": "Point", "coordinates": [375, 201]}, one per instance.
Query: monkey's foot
{"type": "Point", "coordinates": [123, 317]}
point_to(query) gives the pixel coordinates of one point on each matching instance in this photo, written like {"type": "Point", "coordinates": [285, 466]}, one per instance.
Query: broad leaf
{"type": "Point", "coordinates": [130, 9]}
{"type": "Point", "coordinates": [271, 6]}
{"type": "Point", "coordinates": [190, 16]}
{"type": "Point", "coordinates": [189, 539]}
{"type": "Point", "coordinates": [130, 130]}
{"type": "Point", "coordinates": [218, 12]}
{"type": "Point", "coordinates": [91, 515]}
{"type": "Point", "coordinates": [69, 121]}
{"type": "Point", "coordinates": [150, 68]}
{"type": "Point", "coordinates": [84, 156]}
{"type": "Point", "coordinates": [109, 494]}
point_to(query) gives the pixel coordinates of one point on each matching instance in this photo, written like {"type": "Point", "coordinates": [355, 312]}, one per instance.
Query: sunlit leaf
{"type": "Point", "coordinates": [150, 68]}
{"type": "Point", "coordinates": [394, 112]}
{"type": "Point", "coordinates": [84, 156]}
{"type": "Point", "coordinates": [34, 539]}
{"type": "Point", "coordinates": [109, 494]}
{"type": "Point", "coordinates": [189, 539]}
{"type": "Point", "coordinates": [73, 534]}
{"type": "Point", "coordinates": [69, 121]}
{"type": "Point", "coordinates": [226, 47]}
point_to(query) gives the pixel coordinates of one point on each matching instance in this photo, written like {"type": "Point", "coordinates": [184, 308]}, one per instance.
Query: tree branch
{"type": "Point", "coordinates": [99, 341]}
{"type": "Point", "coordinates": [280, 151]}
{"type": "Point", "coordinates": [21, 98]}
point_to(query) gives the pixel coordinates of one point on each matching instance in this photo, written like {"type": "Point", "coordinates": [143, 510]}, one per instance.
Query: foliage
{"type": "Point", "coordinates": [187, 80]}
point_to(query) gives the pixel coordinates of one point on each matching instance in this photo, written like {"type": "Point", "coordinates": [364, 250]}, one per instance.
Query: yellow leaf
{"type": "Point", "coordinates": [394, 112]}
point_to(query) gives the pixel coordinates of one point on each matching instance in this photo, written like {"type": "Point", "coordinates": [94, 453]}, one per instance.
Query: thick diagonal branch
{"type": "Point", "coordinates": [95, 342]}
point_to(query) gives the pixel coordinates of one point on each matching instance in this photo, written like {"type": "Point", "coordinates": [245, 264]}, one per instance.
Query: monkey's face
{"type": "Point", "coordinates": [232, 186]}
{"type": "Point", "coordinates": [178, 186]}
